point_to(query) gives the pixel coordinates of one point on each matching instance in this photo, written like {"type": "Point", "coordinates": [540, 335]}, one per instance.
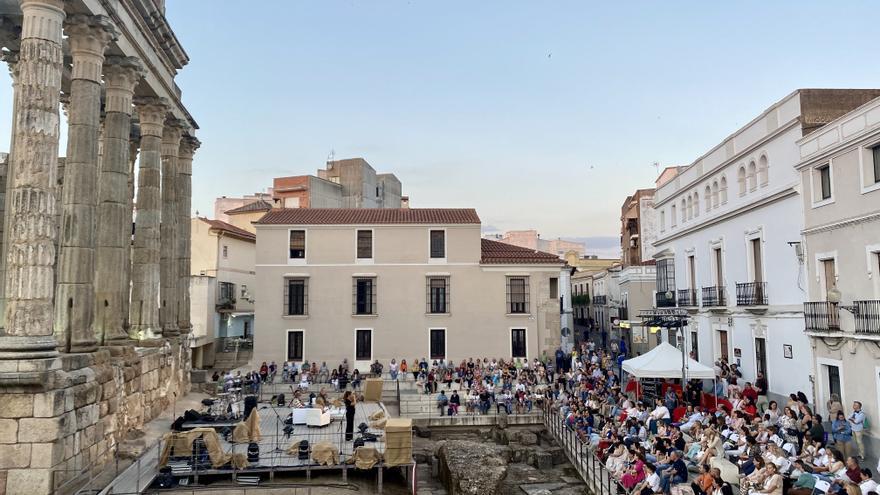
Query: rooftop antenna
{"type": "Point", "coordinates": [656, 168]}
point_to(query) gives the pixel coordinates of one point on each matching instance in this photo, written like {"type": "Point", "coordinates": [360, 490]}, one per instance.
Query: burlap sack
{"type": "Point", "coordinates": [325, 454]}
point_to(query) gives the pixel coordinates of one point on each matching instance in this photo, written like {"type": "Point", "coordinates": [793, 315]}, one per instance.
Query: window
{"type": "Point", "coordinates": [723, 191]}
{"type": "Point", "coordinates": [824, 181]}
{"type": "Point", "coordinates": [875, 158]}
{"type": "Point", "coordinates": [296, 296]}
{"type": "Point", "coordinates": [364, 244]}
{"type": "Point", "coordinates": [707, 198]}
{"type": "Point", "coordinates": [752, 176]}
{"type": "Point", "coordinates": [225, 251]}
{"type": "Point", "coordinates": [722, 345]}
{"type": "Point", "coordinates": [672, 216]}
{"type": "Point", "coordinates": [364, 295]}
{"type": "Point", "coordinates": [518, 342]}
{"type": "Point", "coordinates": [554, 288]}
{"type": "Point", "coordinates": [247, 329]}
{"type": "Point", "coordinates": [696, 204]}
{"type": "Point", "coordinates": [244, 291]}
{"type": "Point", "coordinates": [438, 343]}
{"type": "Point", "coordinates": [715, 194]}
{"type": "Point", "coordinates": [297, 244]}
{"type": "Point", "coordinates": [517, 295]}
{"type": "Point", "coordinates": [662, 221]}
{"type": "Point", "coordinates": [295, 345]}
{"type": "Point", "coordinates": [438, 295]}
{"type": "Point", "coordinates": [683, 211]}
{"type": "Point", "coordinates": [690, 208]}
{"type": "Point", "coordinates": [227, 293]}
{"type": "Point", "coordinates": [763, 170]}
{"type": "Point", "coordinates": [695, 346]}
{"type": "Point", "coordinates": [741, 179]}
{"type": "Point", "coordinates": [438, 244]}
{"type": "Point", "coordinates": [761, 356]}
{"type": "Point", "coordinates": [665, 275]}
{"type": "Point", "coordinates": [363, 345]}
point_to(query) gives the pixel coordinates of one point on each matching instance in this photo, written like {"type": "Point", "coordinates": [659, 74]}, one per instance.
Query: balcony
{"type": "Point", "coordinates": [623, 313]}
{"type": "Point", "coordinates": [665, 300]}
{"type": "Point", "coordinates": [821, 316]}
{"type": "Point", "coordinates": [600, 300]}
{"type": "Point", "coordinates": [687, 298]}
{"type": "Point", "coordinates": [867, 316]}
{"type": "Point", "coordinates": [714, 297]}
{"type": "Point", "coordinates": [751, 294]}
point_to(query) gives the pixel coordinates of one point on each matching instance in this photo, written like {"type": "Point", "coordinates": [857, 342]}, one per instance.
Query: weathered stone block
{"type": "Point", "coordinates": [40, 364]}
{"type": "Point", "coordinates": [16, 405]}
{"type": "Point", "coordinates": [528, 438]}
{"type": "Point", "coordinates": [15, 456]}
{"type": "Point", "coordinates": [8, 431]}
{"type": "Point", "coordinates": [36, 430]}
{"type": "Point", "coordinates": [85, 394]}
{"type": "Point", "coordinates": [46, 455]}
{"type": "Point", "coordinates": [87, 416]}
{"type": "Point", "coordinates": [109, 389]}
{"type": "Point", "coordinates": [49, 404]}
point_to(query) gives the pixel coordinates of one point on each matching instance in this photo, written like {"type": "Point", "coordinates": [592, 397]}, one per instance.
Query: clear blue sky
{"type": "Point", "coordinates": [539, 114]}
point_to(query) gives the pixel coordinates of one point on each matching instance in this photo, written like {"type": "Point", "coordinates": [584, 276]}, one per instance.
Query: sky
{"type": "Point", "coordinates": [540, 115]}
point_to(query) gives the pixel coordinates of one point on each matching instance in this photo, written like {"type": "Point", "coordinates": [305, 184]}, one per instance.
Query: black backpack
{"type": "Point", "coordinates": [253, 452]}
{"type": "Point", "coordinates": [303, 452]}
{"type": "Point", "coordinates": [281, 401]}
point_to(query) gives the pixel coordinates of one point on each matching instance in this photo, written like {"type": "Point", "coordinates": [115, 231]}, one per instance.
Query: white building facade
{"type": "Point", "coordinates": [726, 247]}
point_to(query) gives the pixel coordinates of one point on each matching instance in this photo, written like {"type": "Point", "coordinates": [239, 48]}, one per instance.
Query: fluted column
{"type": "Point", "coordinates": [170, 280]}
{"type": "Point", "coordinates": [134, 143]}
{"type": "Point", "coordinates": [188, 146]}
{"type": "Point", "coordinates": [30, 258]}
{"type": "Point", "coordinates": [121, 74]}
{"type": "Point", "coordinates": [144, 306]}
{"type": "Point", "coordinates": [12, 37]}
{"type": "Point", "coordinates": [88, 37]}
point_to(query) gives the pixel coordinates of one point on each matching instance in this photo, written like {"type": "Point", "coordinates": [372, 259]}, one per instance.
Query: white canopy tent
{"type": "Point", "coordinates": [664, 361]}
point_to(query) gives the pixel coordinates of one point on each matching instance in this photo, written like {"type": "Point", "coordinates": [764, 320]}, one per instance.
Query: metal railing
{"type": "Point", "coordinates": [581, 455]}
{"type": "Point", "coordinates": [600, 300]}
{"type": "Point", "coordinates": [867, 316]}
{"type": "Point", "coordinates": [821, 316]}
{"type": "Point", "coordinates": [714, 296]}
{"type": "Point", "coordinates": [687, 298]}
{"type": "Point", "coordinates": [751, 294]}
{"type": "Point", "coordinates": [665, 301]}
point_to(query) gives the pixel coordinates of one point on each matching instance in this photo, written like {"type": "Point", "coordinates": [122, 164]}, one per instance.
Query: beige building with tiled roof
{"type": "Point", "coordinates": [361, 285]}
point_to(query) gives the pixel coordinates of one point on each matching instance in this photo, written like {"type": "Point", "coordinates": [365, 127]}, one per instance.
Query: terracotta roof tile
{"type": "Point", "coordinates": [494, 252]}
{"type": "Point", "coordinates": [230, 229]}
{"type": "Point", "coordinates": [258, 205]}
{"type": "Point", "coordinates": [369, 216]}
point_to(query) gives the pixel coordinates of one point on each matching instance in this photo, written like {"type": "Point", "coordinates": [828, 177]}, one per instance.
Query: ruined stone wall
{"type": "Point", "coordinates": [88, 404]}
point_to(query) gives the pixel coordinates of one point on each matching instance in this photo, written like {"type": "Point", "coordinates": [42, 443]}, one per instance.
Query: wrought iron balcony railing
{"type": "Point", "coordinates": [751, 294]}
{"type": "Point", "coordinates": [867, 316]}
{"type": "Point", "coordinates": [600, 300]}
{"type": "Point", "coordinates": [714, 296]}
{"type": "Point", "coordinates": [687, 298]}
{"type": "Point", "coordinates": [665, 300]}
{"type": "Point", "coordinates": [821, 316]}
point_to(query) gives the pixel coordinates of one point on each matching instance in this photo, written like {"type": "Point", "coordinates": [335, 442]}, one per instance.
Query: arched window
{"type": "Point", "coordinates": [715, 194]}
{"type": "Point", "coordinates": [763, 170]}
{"type": "Point", "coordinates": [723, 191]}
{"type": "Point", "coordinates": [662, 221]}
{"type": "Point", "coordinates": [672, 216]}
{"type": "Point", "coordinates": [696, 204]}
{"type": "Point", "coordinates": [752, 176]}
{"type": "Point", "coordinates": [741, 178]}
{"type": "Point", "coordinates": [690, 207]}
{"type": "Point", "coordinates": [707, 198]}
{"type": "Point", "coordinates": [683, 210]}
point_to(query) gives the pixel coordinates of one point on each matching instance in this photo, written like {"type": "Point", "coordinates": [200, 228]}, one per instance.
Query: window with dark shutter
{"type": "Point", "coordinates": [518, 342]}
{"type": "Point", "coordinates": [364, 244]}
{"type": "Point", "coordinates": [517, 295]}
{"type": "Point", "coordinates": [875, 155]}
{"type": "Point", "coordinates": [438, 295]}
{"type": "Point", "coordinates": [364, 297]}
{"type": "Point", "coordinates": [295, 346]}
{"type": "Point", "coordinates": [438, 244]}
{"type": "Point", "coordinates": [363, 345]}
{"type": "Point", "coordinates": [296, 296]}
{"type": "Point", "coordinates": [297, 244]}
{"type": "Point", "coordinates": [438, 343]}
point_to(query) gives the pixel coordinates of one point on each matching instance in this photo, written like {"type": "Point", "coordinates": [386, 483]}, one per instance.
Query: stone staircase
{"type": "Point", "coordinates": [232, 360]}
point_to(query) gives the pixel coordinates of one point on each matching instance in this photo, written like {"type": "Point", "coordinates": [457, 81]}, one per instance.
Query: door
{"type": "Point", "coordinates": [518, 342]}
{"type": "Point", "coordinates": [723, 346]}
{"type": "Point", "coordinates": [295, 345]}
{"type": "Point", "coordinates": [438, 343]}
{"type": "Point", "coordinates": [828, 274]}
{"type": "Point", "coordinates": [363, 346]}
{"type": "Point", "coordinates": [757, 261]}
{"type": "Point", "coordinates": [719, 268]}
{"type": "Point", "coordinates": [695, 346]}
{"type": "Point", "coordinates": [833, 373]}
{"type": "Point", "coordinates": [692, 273]}
{"type": "Point", "coordinates": [761, 356]}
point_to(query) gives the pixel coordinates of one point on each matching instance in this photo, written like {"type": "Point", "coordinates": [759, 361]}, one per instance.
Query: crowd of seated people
{"type": "Point", "coordinates": [710, 442]}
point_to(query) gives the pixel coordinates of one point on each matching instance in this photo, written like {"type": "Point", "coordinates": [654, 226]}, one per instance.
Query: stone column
{"type": "Point", "coordinates": [10, 37]}
{"type": "Point", "coordinates": [88, 37]}
{"type": "Point", "coordinates": [134, 140]}
{"type": "Point", "coordinates": [30, 255]}
{"type": "Point", "coordinates": [170, 280]}
{"type": "Point", "coordinates": [121, 74]}
{"type": "Point", "coordinates": [188, 147]}
{"type": "Point", "coordinates": [144, 306]}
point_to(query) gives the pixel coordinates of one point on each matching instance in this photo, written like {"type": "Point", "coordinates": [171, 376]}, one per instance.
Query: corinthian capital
{"type": "Point", "coordinates": [121, 74]}
{"type": "Point", "coordinates": [89, 36]}
{"type": "Point", "coordinates": [171, 134]}
{"type": "Point", "coordinates": [151, 113]}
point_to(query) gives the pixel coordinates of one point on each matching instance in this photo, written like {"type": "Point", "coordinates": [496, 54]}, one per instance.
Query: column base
{"type": "Point", "coordinates": [83, 346]}
{"type": "Point", "coordinates": [28, 347]}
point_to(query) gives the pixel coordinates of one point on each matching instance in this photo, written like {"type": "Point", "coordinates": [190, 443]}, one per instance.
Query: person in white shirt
{"type": "Point", "coordinates": [659, 412]}
{"type": "Point", "coordinates": [694, 418]}
{"type": "Point", "coordinates": [866, 484]}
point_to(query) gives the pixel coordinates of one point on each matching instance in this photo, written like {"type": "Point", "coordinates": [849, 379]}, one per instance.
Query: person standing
{"type": "Point", "coordinates": [349, 399]}
{"type": "Point", "coordinates": [761, 386]}
{"type": "Point", "coordinates": [857, 425]}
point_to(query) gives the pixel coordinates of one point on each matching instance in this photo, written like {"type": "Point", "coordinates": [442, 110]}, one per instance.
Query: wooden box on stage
{"type": "Point", "coordinates": [398, 441]}
{"type": "Point", "coordinates": [373, 390]}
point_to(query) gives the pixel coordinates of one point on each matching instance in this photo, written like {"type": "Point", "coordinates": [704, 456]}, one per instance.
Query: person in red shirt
{"type": "Point", "coordinates": [750, 393]}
